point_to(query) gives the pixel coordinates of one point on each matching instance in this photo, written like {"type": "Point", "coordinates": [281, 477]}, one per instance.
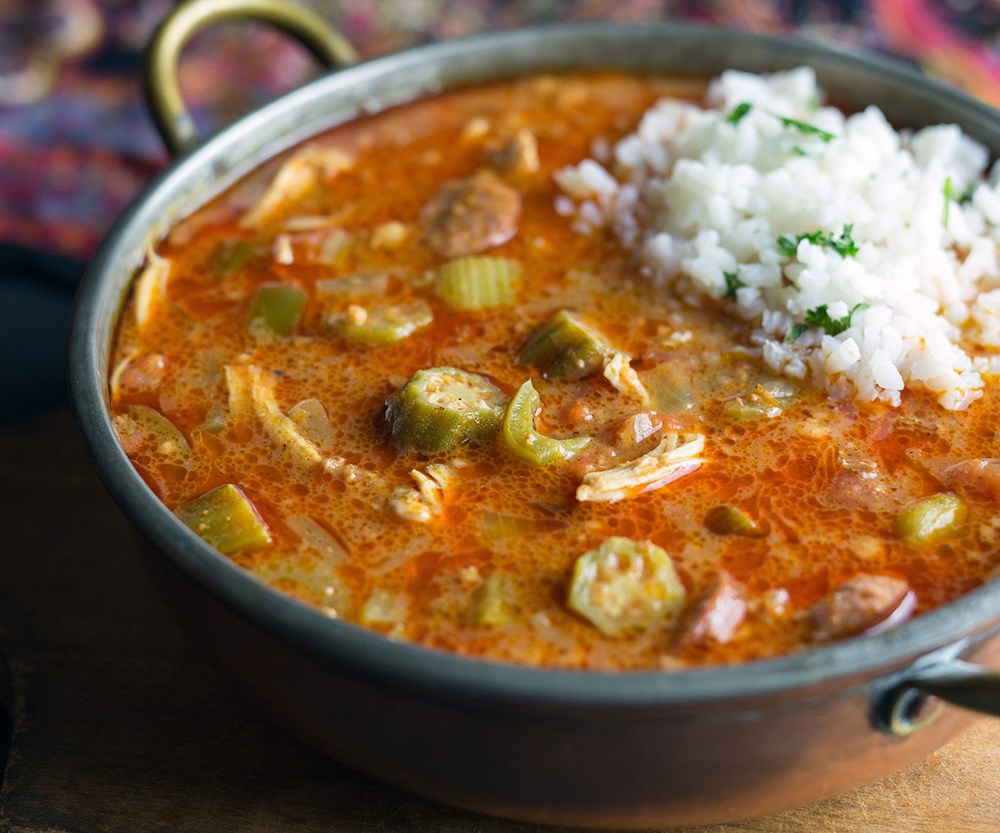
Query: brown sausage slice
{"type": "Point", "coordinates": [981, 475]}
{"type": "Point", "coordinates": [718, 614]}
{"type": "Point", "coordinates": [865, 603]}
{"type": "Point", "coordinates": [518, 155]}
{"type": "Point", "coordinates": [471, 215]}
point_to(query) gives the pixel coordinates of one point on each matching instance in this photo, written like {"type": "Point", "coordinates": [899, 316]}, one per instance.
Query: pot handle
{"type": "Point", "coordinates": [907, 705]}
{"type": "Point", "coordinates": [163, 95]}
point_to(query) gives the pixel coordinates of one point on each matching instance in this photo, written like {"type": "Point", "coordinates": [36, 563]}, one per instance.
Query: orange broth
{"type": "Point", "coordinates": [824, 480]}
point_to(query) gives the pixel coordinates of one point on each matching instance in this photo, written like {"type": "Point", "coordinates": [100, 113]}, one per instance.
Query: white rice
{"type": "Point", "coordinates": [698, 195]}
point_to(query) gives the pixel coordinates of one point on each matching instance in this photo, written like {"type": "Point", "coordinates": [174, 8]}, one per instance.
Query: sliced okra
{"type": "Point", "coordinates": [441, 407]}
{"type": "Point", "coordinates": [624, 586]}
{"type": "Point", "coordinates": [521, 436]}
{"type": "Point", "coordinates": [566, 347]}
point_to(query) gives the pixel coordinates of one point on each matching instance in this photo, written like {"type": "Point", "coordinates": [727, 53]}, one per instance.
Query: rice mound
{"type": "Point", "coordinates": [859, 257]}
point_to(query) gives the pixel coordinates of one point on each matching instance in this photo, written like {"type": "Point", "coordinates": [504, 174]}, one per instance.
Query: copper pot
{"type": "Point", "coordinates": [625, 750]}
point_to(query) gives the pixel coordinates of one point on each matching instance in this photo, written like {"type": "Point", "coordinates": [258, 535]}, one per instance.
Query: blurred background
{"type": "Point", "coordinates": [76, 144]}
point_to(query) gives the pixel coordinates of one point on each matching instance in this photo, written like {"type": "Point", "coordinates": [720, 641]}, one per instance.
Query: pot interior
{"type": "Point", "coordinates": [850, 80]}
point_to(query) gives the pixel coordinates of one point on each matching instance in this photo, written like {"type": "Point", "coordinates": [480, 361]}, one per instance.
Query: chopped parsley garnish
{"type": "Point", "coordinates": [739, 111]}
{"type": "Point", "coordinates": [736, 115]}
{"type": "Point", "coordinates": [819, 317]}
{"type": "Point", "coordinates": [951, 194]}
{"type": "Point", "coordinates": [732, 284]}
{"type": "Point", "coordinates": [806, 128]}
{"type": "Point", "coordinates": [843, 245]}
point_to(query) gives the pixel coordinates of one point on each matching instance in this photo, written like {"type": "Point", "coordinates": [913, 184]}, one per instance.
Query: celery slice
{"type": "Point", "coordinates": [362, 285]}
{"type": "Point", "coordinates": [492, 602]}
{"type": "Point", "coordinates": [624, 586]}
{"type": "Point", "coordinates": [384, 608]}
{"type": "Point", "coordinates": [230, 255]}
{"type": "Point", "coordinates": [565, 346]}
{"type": "Point", "coordinates": [441, 407]}
{"type": "Point", "coordinates": [225, 518]}
{"type": "Point", "coordinates": [521, 436]}
{"type": "Point", "coordinates": [318, 540]}
{"type": "Point", "coordinates": [766, 401]}
{"type": "Point", "coordinates": [156, 431]}
{"type": "Point", "coordinates": [478, 282]}
{"type": "Point", "coordinates": [931, 519]}
{"type": "Point", "coordinates": [313, 422]}
{"type": "Point", "coordinates": [276, 310]}
{"type": "Point", "coordinates": [382, 324]}
{"type": "Point", "coordinates": [305, 576]}
{"type": "Point", "coordinates": [670, 388]}
{"type": "Point", "coordinates": [495, 526]}
{"type": "Point", "coordinates": [728, 520]}
{"type": "Point", "coordinates": [214, 422]}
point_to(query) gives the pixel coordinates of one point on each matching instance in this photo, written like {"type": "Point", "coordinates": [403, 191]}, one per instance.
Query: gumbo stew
{"type": "Point", "coordinates": [394, 376]}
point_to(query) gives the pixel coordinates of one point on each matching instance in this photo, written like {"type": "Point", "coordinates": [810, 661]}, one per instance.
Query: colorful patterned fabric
{"type": "Point", "coordinates": [76, 142]}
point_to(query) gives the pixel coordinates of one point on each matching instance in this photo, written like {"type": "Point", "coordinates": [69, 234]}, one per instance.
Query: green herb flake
{"type": "Point", "coordinates": [820, 317]}
{"type": "Point", "coordinates": [739, 111]}
{"type": "Point", "coordinates": [789, 246]}
{"type": "Point", "coordinates": [948, 197]}
{"type": "Point", "coordinates": [732, 284]}
{"type": "Point", "coordinates": [843, 245]}
{"type": "Point", "coordinates": [805, 128]}
{"type": "Point", "coordinates": [951, 195]}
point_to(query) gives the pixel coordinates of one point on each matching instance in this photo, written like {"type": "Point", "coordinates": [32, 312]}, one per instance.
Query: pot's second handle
{"type": "Point", "coordinates": [163, 93]}
{"type": "Point", "coordinates": [904, 708]}
{"type": "Point", "coordinates": [962, 684]}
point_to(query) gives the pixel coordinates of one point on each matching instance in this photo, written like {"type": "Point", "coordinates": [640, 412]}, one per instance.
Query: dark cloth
{"type": "Point", "coordinates": [76, 143]}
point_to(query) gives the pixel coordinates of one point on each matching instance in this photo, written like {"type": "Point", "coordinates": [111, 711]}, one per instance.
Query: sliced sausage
{"type": "Point", "coordinates": [620, 441]}
{"type": "Point", "coordinates": [979, 475]}
{"type": "Point", "coordinates": [142, 375]}
{"type": "Point", "coordinates": [518, 154]}
{"type": "Point", "coordinates": [630, 436]}
{"type": "Point", "coordinates": [471, 215]}
{"type": "Point", "coordinates": [864, 603]}
{"type": "Point", "coordinates": [717, 615]}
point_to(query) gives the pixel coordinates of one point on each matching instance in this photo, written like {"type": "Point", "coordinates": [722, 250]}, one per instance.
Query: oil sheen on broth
{"type": "Point", "coordinates": [658, 498]}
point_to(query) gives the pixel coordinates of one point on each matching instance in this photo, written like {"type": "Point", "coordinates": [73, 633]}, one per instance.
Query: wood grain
{"type": "Point", "coordinates": [120, 727]}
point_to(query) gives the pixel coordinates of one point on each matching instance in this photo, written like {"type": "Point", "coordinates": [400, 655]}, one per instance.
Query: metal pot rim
{"type": "Point", "coordinates": [437, 673]}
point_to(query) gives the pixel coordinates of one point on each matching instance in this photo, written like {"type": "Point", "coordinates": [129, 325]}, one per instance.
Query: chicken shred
{"type": "Point", "coordinates": [669, 461]}
{"type": "Point", "coordinates": [301, 173]}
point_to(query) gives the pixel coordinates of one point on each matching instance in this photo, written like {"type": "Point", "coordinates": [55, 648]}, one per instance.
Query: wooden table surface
{"type": "Point", "coordinates": [120, 727]}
